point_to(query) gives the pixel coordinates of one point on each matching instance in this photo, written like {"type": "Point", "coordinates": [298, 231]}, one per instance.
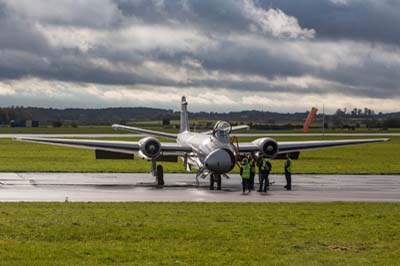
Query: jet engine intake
{"type": "Point", "coordinates": [267, 146]}
{"type": "Point", "coordinates": [149, 148]}
{"type": "Point", "coordinates": [220, 161]}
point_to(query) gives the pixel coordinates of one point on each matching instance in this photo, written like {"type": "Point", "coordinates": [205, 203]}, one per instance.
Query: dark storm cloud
{"type": "Point", "coordinates": [206, 14]}
{"type": "Point", "coordinates": [368, 20]}
{"type": "Point", "coordinates": [27, 51]}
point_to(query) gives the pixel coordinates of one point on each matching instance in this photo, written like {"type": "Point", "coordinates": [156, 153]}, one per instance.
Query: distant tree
{"type": "Point", "coordinates": [340, 112]}
{"type": "Point", "coordinates": [166, 122]}
{"type": "Point", "coordinates": [57, 124]}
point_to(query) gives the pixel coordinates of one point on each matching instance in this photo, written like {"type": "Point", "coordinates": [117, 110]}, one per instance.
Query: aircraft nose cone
{"type": "Point", "coordinates": [220, 161]}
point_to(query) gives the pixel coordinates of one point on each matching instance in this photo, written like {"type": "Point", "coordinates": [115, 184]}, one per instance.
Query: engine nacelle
{"type": "Point", "coordinates": [149, 148]}
{"type": "Point", "coordinates": [267, 146]}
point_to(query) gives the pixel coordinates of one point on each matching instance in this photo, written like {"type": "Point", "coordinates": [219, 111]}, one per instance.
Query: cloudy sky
{"type": "Point", "coordinates": [278, 55]}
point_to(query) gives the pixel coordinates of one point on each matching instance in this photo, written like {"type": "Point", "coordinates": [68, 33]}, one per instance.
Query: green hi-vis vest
{"type": "Point", "coordinates": [264, 165]}
{"type": "Point", "coordinates": [246, 171]}
{"type": "Point", "coordinates": [252, 165]}
{"type": "Point", "coordinates": [288, 165]}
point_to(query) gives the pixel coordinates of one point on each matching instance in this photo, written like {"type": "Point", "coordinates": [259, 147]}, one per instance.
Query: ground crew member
{"type": "Point", "coordinates": [215, 178]}
{"type": "Point", "coordinates": [252, 163]}
{"type": "Point", "coordinates": [265, 168]}
{"type": "Point", "coordinates": [245, 174]}
{"type": "Point", "coordinates": [288, 173]}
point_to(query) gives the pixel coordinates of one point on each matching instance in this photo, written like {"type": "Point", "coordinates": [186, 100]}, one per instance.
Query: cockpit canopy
{"type": "Point", "coordinates": [222, 129]}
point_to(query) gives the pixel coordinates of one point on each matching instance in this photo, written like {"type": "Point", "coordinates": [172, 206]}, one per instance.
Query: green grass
{"type": "Point", "coordinates": [377, 158]}
{"type": "Point", "coordinates": [199, 234]}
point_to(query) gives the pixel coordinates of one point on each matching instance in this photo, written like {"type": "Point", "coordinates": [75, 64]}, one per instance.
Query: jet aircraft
{"type": "Point", "coordinates": [212, 153]}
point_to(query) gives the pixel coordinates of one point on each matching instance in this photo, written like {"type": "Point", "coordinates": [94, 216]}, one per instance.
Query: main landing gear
{"type": "Point", "coordinates": [158, 173]}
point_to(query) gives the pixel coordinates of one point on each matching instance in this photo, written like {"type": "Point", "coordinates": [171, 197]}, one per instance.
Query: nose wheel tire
{"type": "Point", "coordinates": [160, 175]}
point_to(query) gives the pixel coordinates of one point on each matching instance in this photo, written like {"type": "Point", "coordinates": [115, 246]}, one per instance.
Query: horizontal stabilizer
{"type": "Point", "coordinates": [234, 128]}
{"type": "Point", "coordinates": [145, 131]}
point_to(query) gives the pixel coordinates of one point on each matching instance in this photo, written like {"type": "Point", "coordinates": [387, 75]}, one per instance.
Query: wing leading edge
{"type": "Point", "coordinates": [128, 147]}
{"type": "Point", "coordinates": [295, 146]}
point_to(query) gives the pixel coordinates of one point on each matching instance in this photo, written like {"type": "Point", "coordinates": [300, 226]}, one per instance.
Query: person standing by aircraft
{"type": "Point", "coordinates": [288, 173]}
{"type": "Point", "coordinates": [252, 163]}
{"type": "Point", "coordinates": [215, 178]}
{"type": "Point", "coordinates": [264, 170]}
{"type": "Point", "coordinates": [245, 174]}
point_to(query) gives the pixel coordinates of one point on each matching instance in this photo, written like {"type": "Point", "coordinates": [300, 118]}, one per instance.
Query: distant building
{"type": "Point", "coordinates": [24, 123]}
{"type": "Point", "coordinates": [15, 123]}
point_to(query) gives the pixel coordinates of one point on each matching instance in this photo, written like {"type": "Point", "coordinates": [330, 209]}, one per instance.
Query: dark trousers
{"type": "Point", "coordinates": [288, 176]}
{"type": "Point", "coordinates": [251, 180]}
{"type": "Point", "coordinates": [245, 184]}
{"type": "Point", "coordinates": [264, 182]}
{"type": "Point", "coordinates": [215, 178]}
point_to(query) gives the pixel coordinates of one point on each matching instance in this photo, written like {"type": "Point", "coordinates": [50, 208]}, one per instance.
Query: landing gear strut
{"type": "Point", "coordinates": [160, 175]}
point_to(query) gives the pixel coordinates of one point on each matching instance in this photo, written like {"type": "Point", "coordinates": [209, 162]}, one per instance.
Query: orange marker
{"type": "Point", "coordinates": [309, 119]}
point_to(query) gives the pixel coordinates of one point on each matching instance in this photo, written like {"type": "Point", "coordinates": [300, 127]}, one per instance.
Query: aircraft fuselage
{"type": "Point", "coordinates": [213, 153]}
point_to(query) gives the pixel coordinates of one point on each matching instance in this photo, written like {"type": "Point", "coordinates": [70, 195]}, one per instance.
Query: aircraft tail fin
{"type": "Point", "coordinates": [184, 116]}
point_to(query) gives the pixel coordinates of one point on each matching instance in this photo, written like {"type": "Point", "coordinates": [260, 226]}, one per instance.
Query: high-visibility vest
{"type": "Point", "coordinates": [288, 166]}
{"type": "Point", "coordinates": [246, 171]}
{"type": "Point", "coordinates": [253, 166]}
{"type": "Point", "coordinates": [264, 165]}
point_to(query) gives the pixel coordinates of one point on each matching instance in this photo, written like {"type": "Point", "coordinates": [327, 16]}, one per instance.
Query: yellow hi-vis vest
{"type": "Point", "coordinates": [252, 166]}
{"type": "Point", "coordinates": [264, 165]}
{"type": "Point", "coordinates": [246, 171]}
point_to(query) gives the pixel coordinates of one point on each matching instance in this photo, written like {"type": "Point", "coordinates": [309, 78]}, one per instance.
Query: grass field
{"type": "Point", "coordinates": [377, 158]}
{"type": "Point", "coordinates": [199, 234]}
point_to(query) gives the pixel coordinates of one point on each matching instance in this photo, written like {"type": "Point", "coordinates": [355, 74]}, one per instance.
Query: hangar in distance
{"type": "Point", "coordinates": [212, 153]}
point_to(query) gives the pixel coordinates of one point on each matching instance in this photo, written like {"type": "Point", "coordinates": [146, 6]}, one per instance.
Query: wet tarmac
{"type": "Point", "coordinates": [103, 187]}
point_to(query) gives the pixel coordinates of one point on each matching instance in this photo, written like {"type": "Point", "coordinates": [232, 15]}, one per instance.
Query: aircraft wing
{"type": "Point", "coordinates": [128, 147]}
{"type": "Point", "coordinates": [296, 146]}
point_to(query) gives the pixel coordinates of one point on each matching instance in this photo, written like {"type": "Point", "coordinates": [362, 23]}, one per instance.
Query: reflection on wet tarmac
{"type": "Point", "coordinates": [182, 187]}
